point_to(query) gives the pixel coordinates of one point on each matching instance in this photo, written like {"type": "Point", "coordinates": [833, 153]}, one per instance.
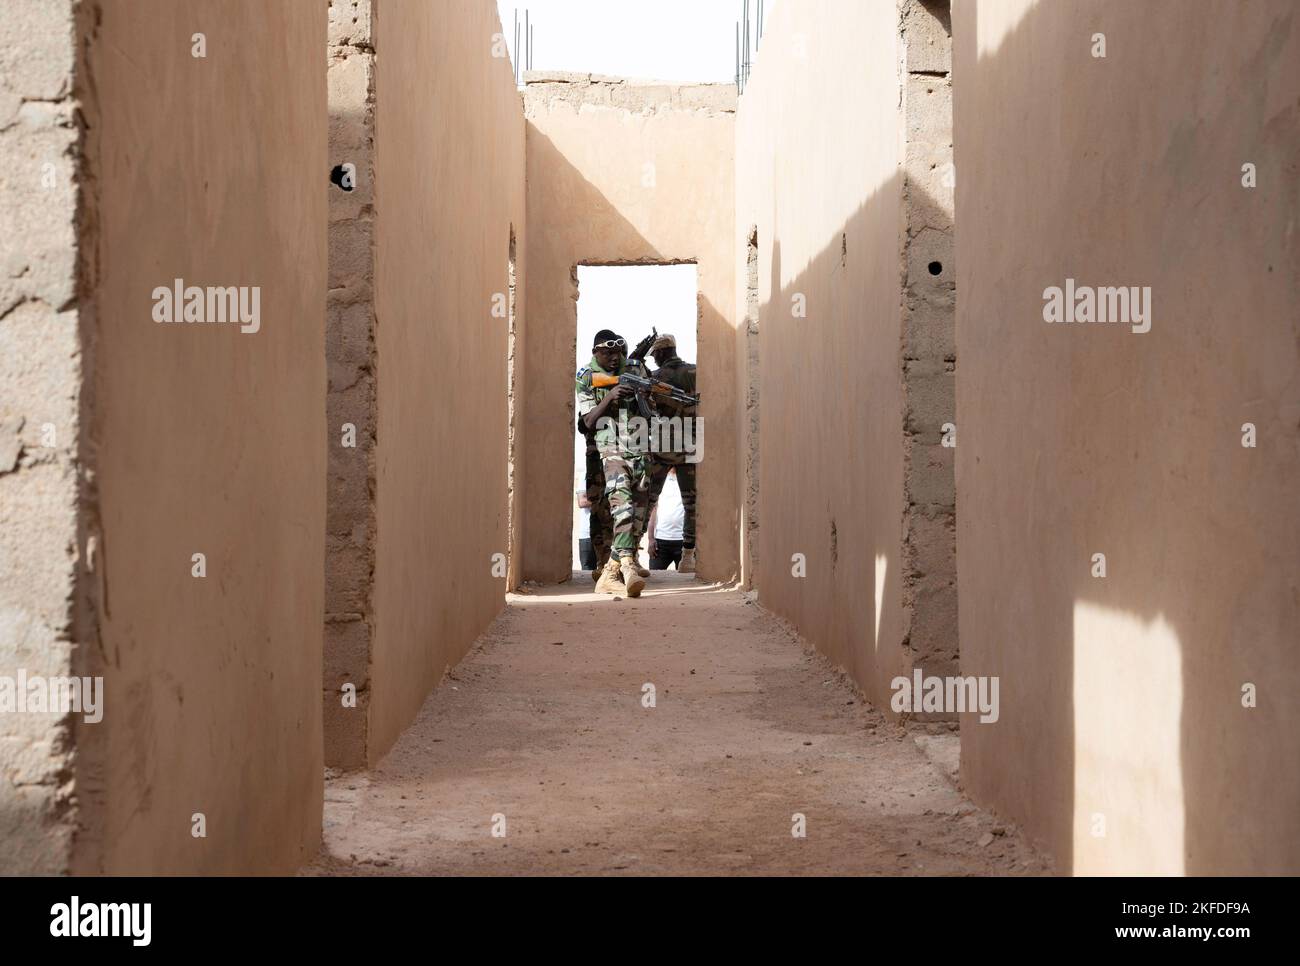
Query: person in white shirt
{"type": "Point", "coordinates": [666, 523]}
{"type": "Point", "coordinates": [586, 553]}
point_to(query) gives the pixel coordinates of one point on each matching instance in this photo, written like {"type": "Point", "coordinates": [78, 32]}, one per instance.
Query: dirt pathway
{"type": "Point", "coordinates": [544, 724]}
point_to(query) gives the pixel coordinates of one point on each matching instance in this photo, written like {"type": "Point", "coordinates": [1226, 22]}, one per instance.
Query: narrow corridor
{"type": "Point", "coordinates": [542, 731]}
{"type": "Point", "coordinates": [991, 307]}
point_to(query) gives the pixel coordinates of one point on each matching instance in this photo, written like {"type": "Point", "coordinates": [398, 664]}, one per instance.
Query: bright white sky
{"type": "Point", "coordinates": [630, 299]}
{"type": "Point", "coordinates": [673, 40]}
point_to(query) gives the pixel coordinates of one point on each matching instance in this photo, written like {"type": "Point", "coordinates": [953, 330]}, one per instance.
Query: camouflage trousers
{"type": "Point", "coordinates": [627, 487]}
{"type": "Point", "coordinates": [685, 483]}
{"type": "Point", "coordinates": [602, 521]}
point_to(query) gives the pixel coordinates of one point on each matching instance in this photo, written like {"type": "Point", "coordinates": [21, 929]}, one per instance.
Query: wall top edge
{"type": "Point", "coordinates": [543, 77]}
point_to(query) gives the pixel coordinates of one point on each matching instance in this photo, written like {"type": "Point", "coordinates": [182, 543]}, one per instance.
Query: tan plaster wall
{"type": "Point", "coordinates": [592, 143]}
{"type": "Point", "coordinates": [824, 149]}
{"type": "Point", "coordinates": [208, 440]}
{"type": "Point", "coordinates": [1121, 697]}
{"type": "Point", "coordinates": [449, 181]}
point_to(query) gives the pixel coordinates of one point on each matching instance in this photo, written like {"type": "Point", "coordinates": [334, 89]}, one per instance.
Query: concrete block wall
{"type": "Point", "coordinates": [350, 417]}
{"type": "Point", "coordinates": [1150, 718]}
{"type": "Point", "coordinates": [626, 172]}
{"type": "Point", "coordinates": [847, 198]}
{"type": "Point", "coordinates": [929, 351]}
{"type": "Point", "coordinates": [42, 371]}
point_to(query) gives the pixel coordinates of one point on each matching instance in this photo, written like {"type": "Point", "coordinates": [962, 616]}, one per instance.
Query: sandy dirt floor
{"type": "Point", "coordinates": [544, 725]}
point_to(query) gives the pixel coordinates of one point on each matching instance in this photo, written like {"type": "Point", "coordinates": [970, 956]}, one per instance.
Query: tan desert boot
{"type": "Point", "coordinates": [632, 580]}
{"type": "Point", "coordinates": [687, 564]}
{"type": "Point", "coordinates": [611, 579]}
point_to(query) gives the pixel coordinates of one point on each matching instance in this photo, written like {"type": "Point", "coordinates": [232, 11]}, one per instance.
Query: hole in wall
{"type": "Point", "coordinates": [936, 268]}
{"type": "Point", "coordinates": [336, 177]}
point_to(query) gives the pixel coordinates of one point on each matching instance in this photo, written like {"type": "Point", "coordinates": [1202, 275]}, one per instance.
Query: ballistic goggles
{"type": "Point", "coordinates": [611, 344]}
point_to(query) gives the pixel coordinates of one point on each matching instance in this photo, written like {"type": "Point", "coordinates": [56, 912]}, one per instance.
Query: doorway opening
{"type": "Point", "coordinates": [630, 300]}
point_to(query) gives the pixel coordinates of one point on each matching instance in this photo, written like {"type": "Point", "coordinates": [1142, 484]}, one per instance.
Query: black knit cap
{"type": "Point", "coordinates": [604, 335]}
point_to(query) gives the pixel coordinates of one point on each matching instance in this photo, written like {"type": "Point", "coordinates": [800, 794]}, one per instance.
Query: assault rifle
{"type": "Point", "coordinates": [645, 390]}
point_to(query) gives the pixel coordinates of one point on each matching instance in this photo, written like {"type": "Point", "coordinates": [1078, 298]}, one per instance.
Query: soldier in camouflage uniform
{"type": "Point", "coordinates": [605, 412]}
{"type": "Point", "coordinates": [676, 371]}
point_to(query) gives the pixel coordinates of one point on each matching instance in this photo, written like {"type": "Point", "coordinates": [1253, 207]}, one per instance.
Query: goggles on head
{"type": "Point", "coordinates": [611, 344]}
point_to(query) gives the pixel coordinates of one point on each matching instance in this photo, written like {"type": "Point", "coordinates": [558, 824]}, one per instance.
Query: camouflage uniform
{"type": "Point", "coordinates": [602, 522]}
{"type": "Point", "coordinates": [679, 373]}
{"type": "Point", "coordinates": [625, 464]}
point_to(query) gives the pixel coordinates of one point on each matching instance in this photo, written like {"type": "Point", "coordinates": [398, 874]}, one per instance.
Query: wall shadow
{"type": "Point", "coordinates": [831, 466]}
